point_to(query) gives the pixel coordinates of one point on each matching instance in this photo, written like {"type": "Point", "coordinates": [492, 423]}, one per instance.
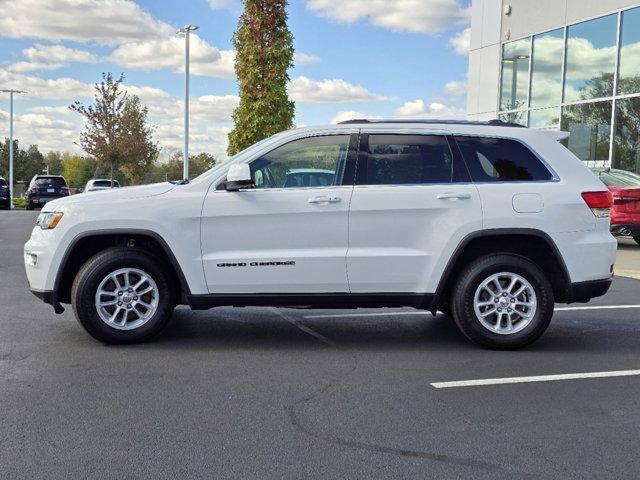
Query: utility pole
{"type": "Point", "coordinates": [11, 92]}
{"type": "Point", "coordinates": [185, 33]}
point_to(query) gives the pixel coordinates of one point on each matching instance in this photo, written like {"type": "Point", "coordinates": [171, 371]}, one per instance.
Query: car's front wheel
{"type": "Point", "coordinates": [122, 296]}
{"type": "Point", "coordinates": [503, 301]}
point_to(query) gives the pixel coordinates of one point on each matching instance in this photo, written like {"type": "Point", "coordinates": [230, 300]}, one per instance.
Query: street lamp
{"type": "Point", "coordinates": [513, 61]}
{"type": "Point", "coordinates": [11, 92]}
{"type": "Point", "coordinates": [185, 33]}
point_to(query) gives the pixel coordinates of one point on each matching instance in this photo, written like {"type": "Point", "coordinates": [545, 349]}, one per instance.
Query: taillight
{"type": "Point", "coordinates": [600, 203]}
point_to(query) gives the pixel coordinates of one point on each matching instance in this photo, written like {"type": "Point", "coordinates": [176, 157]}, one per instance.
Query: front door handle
{"type": "Point", "coordinates": [454, 195]}
{"type": "Point", "coordinates": [325, 199]}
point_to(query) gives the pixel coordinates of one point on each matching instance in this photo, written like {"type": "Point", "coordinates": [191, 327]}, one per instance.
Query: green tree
{"type": "Point", "coordinates": [172, 169]}
{"type": "Point", "coordinates": [26, 163]}
{"type": "Point", "coordinates": [264, 48]}
{"type": "Point", "coordinates": [54, 160]}
{"type": "Point", "coordinates": [78, 170]}
{"type": "Point", "coordinates": [116, 133]}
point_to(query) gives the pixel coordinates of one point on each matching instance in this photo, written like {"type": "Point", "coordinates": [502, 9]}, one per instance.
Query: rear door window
{"type": "Point", "coordinates": [50, 182]}
{"type": "Point", "coordinates": [501, 160]}
{"type": "Point", "coordinates": [407, 159]}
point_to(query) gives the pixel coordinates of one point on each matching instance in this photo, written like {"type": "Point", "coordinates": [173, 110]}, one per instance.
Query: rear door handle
{"type": "Point", "coordinates": [324, 199]}
{"type": "Point", "coordinates": [454, 195]}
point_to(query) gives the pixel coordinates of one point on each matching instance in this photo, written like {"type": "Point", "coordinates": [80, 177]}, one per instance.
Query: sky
{"type": "Point", "coordinates": [354, 59]}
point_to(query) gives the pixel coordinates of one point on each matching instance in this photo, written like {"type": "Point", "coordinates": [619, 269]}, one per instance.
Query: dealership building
{"type": "Point", "coordinates": [572, 65]}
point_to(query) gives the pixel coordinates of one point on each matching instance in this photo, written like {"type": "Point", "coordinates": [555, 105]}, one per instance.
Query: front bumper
{"type": "Point", "coordinates": [49, 297]}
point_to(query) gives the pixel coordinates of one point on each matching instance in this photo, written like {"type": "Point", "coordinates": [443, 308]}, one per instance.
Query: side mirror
{"type": "Point", "coordinates": [238, 177]}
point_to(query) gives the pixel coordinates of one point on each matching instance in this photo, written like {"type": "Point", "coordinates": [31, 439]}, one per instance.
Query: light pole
{"type": "Point", "coordinates": [11, 92]}
{"type": "Point", "coordinates": [185, 33]}
{"type": "Point", "coordinates": [514, 82]}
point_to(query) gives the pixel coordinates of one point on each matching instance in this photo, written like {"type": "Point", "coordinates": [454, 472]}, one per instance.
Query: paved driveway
{"type": "Point", "coordinates": [268, 394]}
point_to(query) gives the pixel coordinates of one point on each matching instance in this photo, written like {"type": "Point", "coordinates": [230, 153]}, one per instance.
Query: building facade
{"type": "Point", "coordinates": [572, 65]}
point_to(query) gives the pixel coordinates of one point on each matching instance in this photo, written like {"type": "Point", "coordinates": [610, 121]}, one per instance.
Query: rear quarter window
{"type": "Point", "coordinates": [501, 160]}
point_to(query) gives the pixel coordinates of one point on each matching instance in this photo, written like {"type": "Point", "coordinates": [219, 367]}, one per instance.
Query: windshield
{"type": "Point", "coordinates": [50, 182]}
{"type": "Point", "coordinates": [105, 183]}
{"type": "Point", "coordinates": [222, 166]}
{"type": "Point", "coordinates": [620, 179]}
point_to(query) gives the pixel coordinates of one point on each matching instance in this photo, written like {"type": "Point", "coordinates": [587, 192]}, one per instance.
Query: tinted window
{"type": "Point", "coordinates": [501, 160]}
{"type": "Point", "coordinates": [546, 68]}
{"type": "Point", "coordinates": [613, 179]}
{"type": "Point", "coordinates": [408, 159]}
{"type": "Point", "coordinates": [626, 154]}
{"type": "Point", "coordinates": [105, 183]}
{"type": "Point", "coordinates": [50, 182]}
{"type": "Point", "coordinates": [629, 81]}
{"type": "Point", "coordinates": [589, 125]}
{"type": "Point", "coordinates": [309, 162]}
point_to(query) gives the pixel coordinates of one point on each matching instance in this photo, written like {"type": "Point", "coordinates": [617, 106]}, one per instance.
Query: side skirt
{"type": "Point", "coordinates": [423, 301]}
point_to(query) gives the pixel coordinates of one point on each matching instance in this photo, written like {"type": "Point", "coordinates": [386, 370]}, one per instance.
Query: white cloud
{"type": "Point", "coordinates": [343, 116]}
{"type": "Point", "coordinates": [436, 110]}
{"type": "Point", "coordinates": [461, 42]}
{"type": "Point", "coordinates": [300, 58]}
{"type": "Point", "coordinates": [51, 57]}
{"type": "Point", "coordinates": [455, 88]}
{"type": "Point", "coordinates": [168, 53]}
{"type": "Point", "coordinates": [63, 88]}
{"type": "Point", "coordinates": [417, 16]}
{"type": "Point", "coordinates": [106, 22]}
{"type": "Point", "coordinates": [48, 110]}
{"type": "Point", "coordinates": [305, 90]}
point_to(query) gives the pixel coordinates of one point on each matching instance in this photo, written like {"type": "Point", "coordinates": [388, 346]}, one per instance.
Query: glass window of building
{"type": "Point", "coordinates": [589, 125]}
{"type": "Point", "coordinates": [545, 118]}
{"type": "Point", "coordinates": [514, 91]}
{"type": "Point", "coordinates": [521, 117]}
{"type": "Point", "coordinates": [626, 146]}
{"type": "Point", "coordinates": [591, 59]}
{"type": "Point", "coordinates": [546, 68]}
{"type": "Point", "coordinates": [629, 81]}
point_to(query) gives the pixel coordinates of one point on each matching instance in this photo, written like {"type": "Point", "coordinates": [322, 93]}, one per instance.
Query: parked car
{"type": "Point", "coordinates": [44, 188]}
{"type": "Point", "coordinates": [485, 221]}
{"type": "Point", "coordinates": [5, 195]}
{"type": "Point", "coordinates": [625, 187]}
{"type": "Point", "coordinates": [97, 184]}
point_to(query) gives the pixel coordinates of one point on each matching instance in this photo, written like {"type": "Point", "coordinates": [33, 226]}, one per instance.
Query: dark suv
{"type": "Point", "coordinates": [5, 197]}
{"type": "Point", "coordinates": [44, 188]}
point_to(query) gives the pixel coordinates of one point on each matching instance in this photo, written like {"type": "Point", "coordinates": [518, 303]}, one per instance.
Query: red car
{"type": "Point", "coordinates": [625, 187]}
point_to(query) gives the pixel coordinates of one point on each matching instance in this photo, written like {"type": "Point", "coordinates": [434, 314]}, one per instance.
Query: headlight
{"type": "Point", "coordinates": [48, 220]}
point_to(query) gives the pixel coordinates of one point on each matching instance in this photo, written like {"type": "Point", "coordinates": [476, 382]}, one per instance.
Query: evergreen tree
{"type": "Point", "coordinates": [264, 48]}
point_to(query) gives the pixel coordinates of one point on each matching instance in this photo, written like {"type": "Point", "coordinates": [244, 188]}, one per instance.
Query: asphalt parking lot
{"type": "Point", "coordinates": [267, 394]}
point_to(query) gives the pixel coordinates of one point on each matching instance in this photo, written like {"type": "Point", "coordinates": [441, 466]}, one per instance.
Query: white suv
{"type": "Point", "coordinates": [486, 222]}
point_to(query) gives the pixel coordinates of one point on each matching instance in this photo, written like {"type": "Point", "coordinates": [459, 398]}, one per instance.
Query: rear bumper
{"type": "Point", "coordinates": [626, 230]}
{"type": "Point", "coordinates": [582, 292]}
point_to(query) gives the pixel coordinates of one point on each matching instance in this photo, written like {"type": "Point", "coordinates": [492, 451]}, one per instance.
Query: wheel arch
{"type": "Point", "coordinates": [87, 244]}
{"type": "Point", "coordinates": [521, 242]}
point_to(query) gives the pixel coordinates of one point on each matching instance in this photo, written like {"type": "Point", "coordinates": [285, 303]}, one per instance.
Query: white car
{"type": "Point", "coordinates": [487, 222]}
{"type": "Point", "coordinates": [97, 184]}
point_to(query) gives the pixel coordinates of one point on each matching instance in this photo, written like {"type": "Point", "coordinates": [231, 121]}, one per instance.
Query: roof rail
{"type": "Point", "coordinates": [491, 123]}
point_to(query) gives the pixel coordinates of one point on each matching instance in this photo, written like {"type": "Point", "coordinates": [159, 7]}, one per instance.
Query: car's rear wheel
{"type": "Point", "coordinates": [122, 296]}
{"type": "Point", "coordinates": [503, 301]}
{"type": "Point", "coordinates": [29, 206]}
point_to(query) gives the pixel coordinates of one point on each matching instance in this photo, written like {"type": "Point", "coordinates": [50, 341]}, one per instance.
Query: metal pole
{"type": "Point", "coordinates": [185, 172]}
{"type": "Point", "coordinates": [10, 149]}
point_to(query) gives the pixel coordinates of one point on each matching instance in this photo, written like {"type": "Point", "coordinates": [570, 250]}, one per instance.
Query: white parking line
{"type": "Point", "coordinates": [540, 378]}
{"type": "Point", "coordinates": [423, 312]}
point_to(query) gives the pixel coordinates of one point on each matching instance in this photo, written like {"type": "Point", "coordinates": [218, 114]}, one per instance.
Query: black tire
{"type": "Point", "coordinates": [637, 239]}
{"type": "Point", "coordinates": [29, 206]}
{"type": "Point", "coordinates": [91, 275]}
{"type": "Point", "coordinates": [469, 281]}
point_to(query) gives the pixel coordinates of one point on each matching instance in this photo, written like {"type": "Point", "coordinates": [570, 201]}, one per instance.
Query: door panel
{"type": "Point", "coordinates": [290, 233]}
{"type": "Point", "coordinates": [402, 235]}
